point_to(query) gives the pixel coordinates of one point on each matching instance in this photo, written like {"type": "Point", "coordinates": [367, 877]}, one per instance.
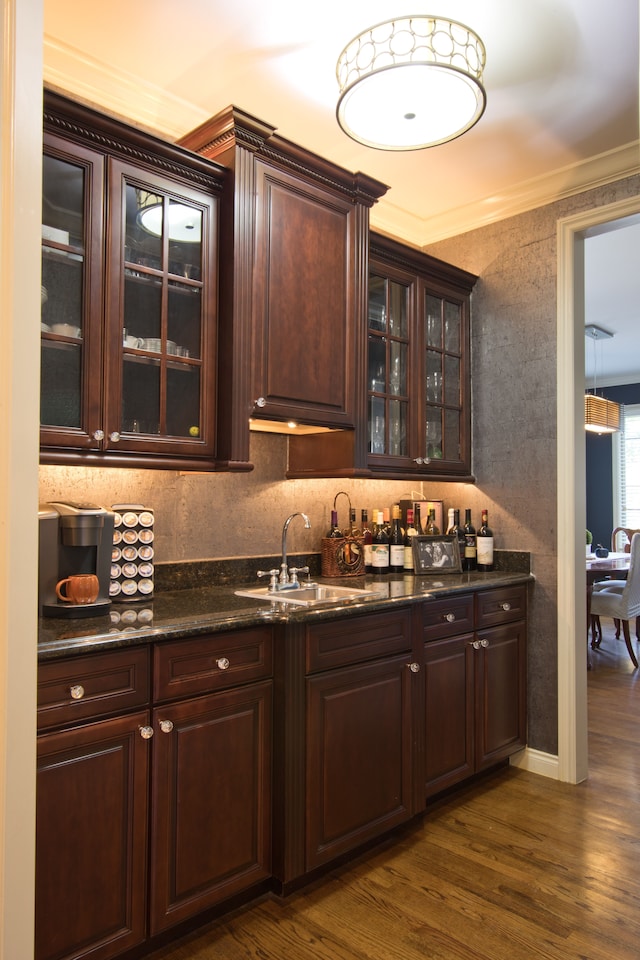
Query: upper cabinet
{"type": "Point", "coordinates": [129, 295]}
{"type": "Point", "coordinates": [293, 281]}
{"type": "Point", "coordinates": [415, 418]}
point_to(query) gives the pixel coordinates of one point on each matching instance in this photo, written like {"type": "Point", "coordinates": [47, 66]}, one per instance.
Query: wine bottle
{"type": "Point", "coordinates": [411, 532]}
{"type": "Point", "coordinates": [432, 527]}
{"type": "Point", "coordinates": [386, 520]}
{"type": "Point", "coordinates": [396, 543]}
{"type": "Point", "coordinates": [469, 561]}
{"type": "Point", "coordinates": [380, 547]}
{"type": "Point", "coordinates": [417, 520]}
{"type": "Point", "coordinates": [484, 544]}
{"type": "Point", "coordinates": [456, 530]}
{"type": "Point", "coordinates": [367, 538]}
{"type": "Point", "coordinates": [335, 533]}
{"type": "Point", "coordinates": [352, 530]}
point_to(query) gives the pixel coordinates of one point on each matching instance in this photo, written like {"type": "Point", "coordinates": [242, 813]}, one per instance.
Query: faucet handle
{"type": "Point", "coordinates": [273, 578]}
{"type": "Point", "coordinates": [294, 571]}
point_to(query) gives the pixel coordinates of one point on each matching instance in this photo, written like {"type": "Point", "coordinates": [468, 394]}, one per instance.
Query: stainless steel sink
{"type": "Point", "coordinates": [308, 596]}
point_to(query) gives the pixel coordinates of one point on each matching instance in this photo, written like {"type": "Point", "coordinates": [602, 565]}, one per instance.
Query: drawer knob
{"type": "Point", "coordinates": [414, 667]}
{"type": "Point", "coordinates": [77, 691]}
{"type": "Point", "coordinates": [450, 617]}
{"type": "Point", "coordinates": [506, 606]}
{"type": "Point", "coordinates": [223, 663]}
{"type": "Point", "coordinates": [166, 726]}
{"type": "Point", "coordinates": [146, 732]}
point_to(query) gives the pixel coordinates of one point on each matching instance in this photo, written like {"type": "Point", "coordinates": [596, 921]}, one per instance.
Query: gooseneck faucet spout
{"type": "Point", "coordinates": [284, 569]}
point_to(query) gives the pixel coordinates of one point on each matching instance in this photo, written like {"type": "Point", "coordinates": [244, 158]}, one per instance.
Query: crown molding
{"type": "Point", "coordinates": [559, 184]}
{"type": "Point", "coordinates": [117, 91]}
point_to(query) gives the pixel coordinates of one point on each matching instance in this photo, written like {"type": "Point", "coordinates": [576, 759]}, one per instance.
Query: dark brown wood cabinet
{"type": "Point", "coordinates": [92, 806]}
{"type": "Point", "coordinates": [211, 782]}
{"type": "Point", "coordinates": [294, 236]}
{"type": "Point", "coordinates": [475, 683]}
{"type": "Point", "coordinates": [414, 410]}
{"type": "Point", "coordinates": [129, 294]}
{"type": "Point", "coordinates": [346, 753]}
{"type": "Point", "coordinates": [148, 816]}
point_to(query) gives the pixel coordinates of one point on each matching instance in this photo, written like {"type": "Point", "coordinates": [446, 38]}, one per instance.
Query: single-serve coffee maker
{"type": "Point", "coordinates": [76, 540]}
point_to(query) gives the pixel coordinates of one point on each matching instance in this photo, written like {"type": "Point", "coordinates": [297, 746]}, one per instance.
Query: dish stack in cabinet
{"type": "Point", "coordinates": [133, 551]}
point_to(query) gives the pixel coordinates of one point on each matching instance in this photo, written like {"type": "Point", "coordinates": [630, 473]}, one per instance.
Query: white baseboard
{"type": "Point", "coordinates": [535, 761]}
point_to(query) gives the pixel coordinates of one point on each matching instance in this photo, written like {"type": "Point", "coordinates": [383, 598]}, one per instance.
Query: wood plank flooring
{"type": "Point", "coordinates": [517, 867]}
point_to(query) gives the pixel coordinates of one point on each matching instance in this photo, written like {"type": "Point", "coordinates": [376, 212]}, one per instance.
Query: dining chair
{"type": "Point", "coordinates": [620, 599]}
{"type": "Point", "coordinates": [626, 544]}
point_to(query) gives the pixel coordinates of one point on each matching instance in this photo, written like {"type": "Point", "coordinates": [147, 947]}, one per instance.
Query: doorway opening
{"type": "Point", "coordinates": [571, 495]}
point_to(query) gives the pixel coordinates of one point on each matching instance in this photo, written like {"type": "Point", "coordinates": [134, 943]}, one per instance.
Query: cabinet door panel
{"type": "Point", "coordinates": [211, 835]}
{"type": "Point", "coordinates": [500, 693]}
{"type": "Point", "coordinates": [449, 717]}
{"type": "Point", "coordinates": [72, 223]}
{"type": "Point", "coordinates": [358, 756]}
{"type": "Point", "coordinates": [304, 300]}
{"type": "Point", "coordinates": [91, 830]}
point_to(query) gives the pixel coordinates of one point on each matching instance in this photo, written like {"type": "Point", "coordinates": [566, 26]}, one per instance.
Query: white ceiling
{"type": "Point", "coordinates": [561, 81]}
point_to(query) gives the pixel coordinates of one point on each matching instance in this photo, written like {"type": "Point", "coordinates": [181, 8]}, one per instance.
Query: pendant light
{"type": "Point", "coordinates": [411, 83]}
{"type": "Point", "coordinates": [600, 415]}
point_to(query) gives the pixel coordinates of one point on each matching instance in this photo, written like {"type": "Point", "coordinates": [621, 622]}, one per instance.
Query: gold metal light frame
{"type": "Point", "coordinates": [411, 83]}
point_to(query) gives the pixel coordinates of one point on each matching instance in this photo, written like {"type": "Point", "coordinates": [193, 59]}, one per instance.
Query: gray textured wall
{"type": "Point", "coordinates": [514, 407]}
{"type": "Point", "coordinates": [514, 437]}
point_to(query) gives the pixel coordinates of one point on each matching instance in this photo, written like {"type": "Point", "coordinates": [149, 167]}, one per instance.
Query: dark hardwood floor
{"type": "Point", "coordinates": [517, 867]}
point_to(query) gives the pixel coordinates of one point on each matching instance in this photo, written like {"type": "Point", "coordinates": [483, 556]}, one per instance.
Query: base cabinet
{"type": "Point", "coordinates": [91, 810]}
{"type": "Point", "coordinates": [359, 736]}
{"type": "Point", "coordinates": [474, 682]}
{"type": "Point", "coordinates": [211, 785]}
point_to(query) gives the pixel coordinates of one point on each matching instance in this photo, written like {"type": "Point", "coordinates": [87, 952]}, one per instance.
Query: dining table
{"type": "Point", "coordinates": [615, 566]}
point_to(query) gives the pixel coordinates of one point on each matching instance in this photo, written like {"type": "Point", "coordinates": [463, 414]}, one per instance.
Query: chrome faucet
{"type": "Point", "coordinates": [284, 579]}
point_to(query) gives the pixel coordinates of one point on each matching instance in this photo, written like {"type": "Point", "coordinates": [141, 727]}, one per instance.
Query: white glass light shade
{"type": "Point", "coordinates": [185, 223]}
{"type": "Point", "coordinates": [601, 415]}
{"type": "Point", "coordinates": [411, 83]}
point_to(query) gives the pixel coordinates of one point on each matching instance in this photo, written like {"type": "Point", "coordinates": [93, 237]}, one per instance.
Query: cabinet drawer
{"type": "Point", "coordinates": [341, 642]}
{"type": "Point", "coordinates": [500, 605]}
{"type": "Point", "coordinates": [187, 667]}
{"type": "Point", "coordinates": [88, 687]}
{"type": "Point", "coordinates": [448, 617]}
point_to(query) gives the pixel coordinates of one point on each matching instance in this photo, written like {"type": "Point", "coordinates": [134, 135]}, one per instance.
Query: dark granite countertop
{"type": "Point", "coordinates": [196, 608]}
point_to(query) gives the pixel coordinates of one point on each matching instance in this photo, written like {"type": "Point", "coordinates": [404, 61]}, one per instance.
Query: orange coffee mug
{"type": "Point", "coordinates": [81, 588]}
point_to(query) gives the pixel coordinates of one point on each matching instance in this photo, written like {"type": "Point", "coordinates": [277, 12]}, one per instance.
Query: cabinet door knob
{"type": "Point", "coordinates": [484, 643]}
{"type": "Point", "coordinates": [166, 726]}
{"type": "Point", "coordinates": [77, 691]}
{"type": "Point", "coordinates": [475, 644]}
{"type": "Point", "coordinates": [98, 434]}
{"type": "Point", "coordinates": [223, 663]}
{"type": "Point", "coordinates": [261, 402]}
{"type": "Point", "coordinates": [414, 667]}
{"type": "Point", "coordinates": [450, 617]}
{"type": "Point", "coordinates": [114, 436]}
{"type": "Point", "coordinates": [146, 732]}
{"type": "Point", "coordinates": [506, 605]}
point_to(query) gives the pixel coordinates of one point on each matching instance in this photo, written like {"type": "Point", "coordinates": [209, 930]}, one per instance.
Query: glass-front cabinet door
{"type": "Point", "coordinates": [388, 357]}
{"type": "Point", "coordinates": [417, 390]}
{"type": "Point", "coordinates": [160, 292]}
{"type": "Point", "coordinates": [71, 295]}
{"type": "Point", "coordinates": [128, 309]}
{"type": "Point", "coordinates": [443, 415]}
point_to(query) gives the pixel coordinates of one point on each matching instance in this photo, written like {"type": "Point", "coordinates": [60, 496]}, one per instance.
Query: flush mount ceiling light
{"type": "Point", "coordinates": [600, 415]}
{"type": "Point", "coordinates": [185, 222]}
{"type": "Point", "coordinates": [411, 83]}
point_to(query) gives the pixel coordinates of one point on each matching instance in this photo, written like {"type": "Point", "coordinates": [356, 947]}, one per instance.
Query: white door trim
{"type": "Point", "coordinates": [571, 496]}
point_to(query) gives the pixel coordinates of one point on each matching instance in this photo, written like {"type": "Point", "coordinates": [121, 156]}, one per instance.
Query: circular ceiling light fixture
{"type": "Point", "coordinates": [411, 83]}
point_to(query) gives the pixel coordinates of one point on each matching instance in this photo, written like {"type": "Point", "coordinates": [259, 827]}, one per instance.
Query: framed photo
{"type": "Point", "coordinates": [439, 554]}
